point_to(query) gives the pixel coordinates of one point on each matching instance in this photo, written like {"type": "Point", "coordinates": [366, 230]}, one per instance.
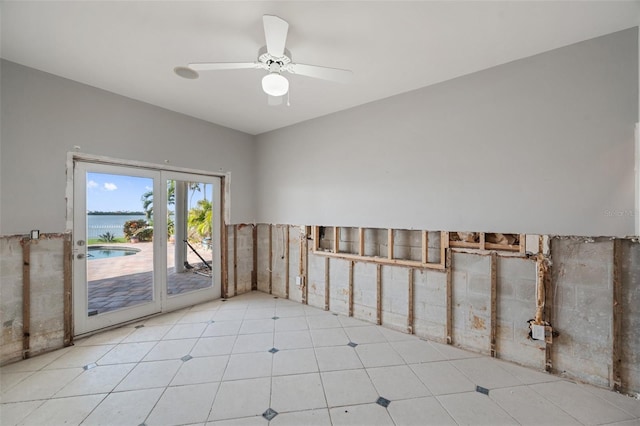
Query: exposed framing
{"type": "Point", "coordinates": [494, 305]}
{"type": "Point", "coordinates": [26, 297]}
{"type": "Point", "coordinates": [68, 301]}
{"type": "Point", "coordinates": [390, 258]}
{"type": "Point", "coordinates": [616, 335]}
{"type": "Point", "coordinates": [480, 243]}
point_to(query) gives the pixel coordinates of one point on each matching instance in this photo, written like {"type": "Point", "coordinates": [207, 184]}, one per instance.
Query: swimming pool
{"type": "Point", "coordinates": [103, 252]}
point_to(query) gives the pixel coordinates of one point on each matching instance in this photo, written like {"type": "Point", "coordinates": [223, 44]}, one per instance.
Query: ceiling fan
{"type": "Point", "coordinates": [275, 59]}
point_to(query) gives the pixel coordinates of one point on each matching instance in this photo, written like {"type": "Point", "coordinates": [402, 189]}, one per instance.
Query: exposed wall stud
{"type": "Point", "coordinates": [224, 238]}
{"type": "Point", "coordinates": [235, 260]}
{"type": "Point", "coordinates": [336, 239]}
{"type": "Point", "coordinates": [67, 302]}
{"type": "Point", "coordinates": [410, 307]}
{"type": "Point", "coordinates": [616, 335]}
{"type": "Point", "coordinates": [326, 283]}
{"type": "Point", "coordinates": [444, 245]}
{"type": "Point", "coordinates": [494, 303]}
{"type": "Point", "coordinates": [286, 262]}
{"type": "Point", "coordinates": [270, 258]}
{"type": "Point", "coordinates": [449, 322]}
{"type": "Point", "coordinates": [351, 267]}
{"type": "Point", "coordinates": [425, 246]}
{"type": "Point", "coordinates": [254, 272]}
{"type": "Point", "coordinates": [379, 294]}
{"type": "Point", "coordinates": [26, 296]}
{"type": "Point", "coordinates": [304, 263]}
{"type": "Point", "coordinates": [390, 244]}
{"type": "Point", "coordinates": [482, 239]}
{"type": "Point", "coordinates": [361, 241]}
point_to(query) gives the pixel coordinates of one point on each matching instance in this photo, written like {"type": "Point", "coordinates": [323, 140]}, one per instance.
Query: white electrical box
{"type": "Point", "coordinates": [298, 280]}
{"type": "Point", "coordinates": [537, 332]}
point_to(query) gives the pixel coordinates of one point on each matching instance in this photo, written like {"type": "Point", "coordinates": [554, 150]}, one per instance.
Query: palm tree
{"type": "Point", "coordinates": [147, 199]}
{"type": "Point", "coordinates": [200, 218]}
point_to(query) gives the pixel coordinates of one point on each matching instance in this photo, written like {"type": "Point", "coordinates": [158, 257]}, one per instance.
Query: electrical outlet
{"type": "Point", "coordinates": [298, 280]}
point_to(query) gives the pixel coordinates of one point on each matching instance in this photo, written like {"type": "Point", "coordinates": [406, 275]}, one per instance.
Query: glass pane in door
{"type": "Point", "coordinates": [189, 227]}
{"type": "Point", "coordinates": [119, 241]}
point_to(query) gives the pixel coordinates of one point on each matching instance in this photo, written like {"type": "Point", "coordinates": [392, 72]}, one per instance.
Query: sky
{"type": "Point", "coordinates": [109, 192]}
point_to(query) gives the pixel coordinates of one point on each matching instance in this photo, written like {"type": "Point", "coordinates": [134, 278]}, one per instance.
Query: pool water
{"type": "Point", "coordinates": [103, 252]}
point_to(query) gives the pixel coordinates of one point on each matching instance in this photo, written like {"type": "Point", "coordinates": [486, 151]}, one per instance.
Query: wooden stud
{"type": "Point", "coordinates": [270, 258]}
{"type": "Point", "coordinates": [361, 241]}
{"type": "Point", "coordinates": [390, 244]}
{"type": "Point", "coordinates": [384, 260]}
{"type": "Point", "coordinates": [235, 260]}
{"type": "Point", "coordinates": [540, 289]}
{"type": "Point", "coordinates": [67, 285]}
{"type": "Point", "coordinates": [523, 243]}
{"type": "Point", "coordinates": [494, 304]}
{"type": "Point", "coordinates": [449, 323]}
{"type": "Point", "coordinates": [326, 284]}
{"type": "Point", "coordinates": [224, 253]}
{"type": "Point", "coordinates": [306, 264]}
{"type": "Point", "coordinates": [616, 364]}
{"type": "Point", "coordinates": [254, 272]}
{"type": "Point", "coordinates": [351, 267]}
{"type": "Point", "coordinates": [444, 245]}
{"type": "Point", "coordinates": [286, 262]}
{"type": "Point", "coordinates": [336, 239]}
{"type": "Point", "coordinates": [26, 296]}
{"type": "Point", "coordinates": [482, 241]}
{"type": "Point", "coordinates": [410, 307]}
{"type": "Point", "coordinates": [548, 298]}
{"type": "Point", "coordinates": [425, 246]}
{"type": "Point", "coordinates": [379, 294]}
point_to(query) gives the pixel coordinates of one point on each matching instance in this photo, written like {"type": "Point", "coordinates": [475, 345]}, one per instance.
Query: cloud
{"type": "Point", "coordinates": [92, 184]}
{"type": "Point", "coordinates": [148, 188]}
{"type": "Point", "coordinates": [110, 186]}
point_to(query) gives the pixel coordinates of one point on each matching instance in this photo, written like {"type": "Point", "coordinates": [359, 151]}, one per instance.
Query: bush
{"type": "Point", "coordinates": [107, 237]}
{"type": "Point", "coordinates": [132, 227]}
{"type": "Point", "coordinates": [145, 234]}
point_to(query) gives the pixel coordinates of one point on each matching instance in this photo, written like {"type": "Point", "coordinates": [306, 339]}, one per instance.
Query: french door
{"type": "Point", "coordinates": [145, 241]}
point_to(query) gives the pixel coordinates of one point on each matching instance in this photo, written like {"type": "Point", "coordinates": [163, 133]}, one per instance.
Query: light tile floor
{"type": "Point", "coordinates": [255, 356]}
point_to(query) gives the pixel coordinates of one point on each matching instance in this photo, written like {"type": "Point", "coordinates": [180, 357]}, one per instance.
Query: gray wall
{"type": "Point", "coordinates": [44, 116]}
{"type": "Point", "coordinates": [541, 145]}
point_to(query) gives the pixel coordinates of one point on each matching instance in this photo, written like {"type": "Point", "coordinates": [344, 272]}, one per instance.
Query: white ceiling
{"type": "Point", "coordinates": [131, 48]}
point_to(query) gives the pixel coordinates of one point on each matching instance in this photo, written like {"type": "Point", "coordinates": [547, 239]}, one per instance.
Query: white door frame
{"type": "Point", "coordinates": [177, 301]}
{"type": "Point", "coordinates": [221, 182]}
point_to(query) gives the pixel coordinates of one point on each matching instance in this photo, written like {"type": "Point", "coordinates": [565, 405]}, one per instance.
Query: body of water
{"type": "Point", "coordinates": [101, 224]}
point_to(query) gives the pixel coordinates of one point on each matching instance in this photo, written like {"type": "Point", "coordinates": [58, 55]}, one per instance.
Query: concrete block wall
{"type": "Point", "coordinates": [516, 296]}
{"type": "Point", "coordinates": [430, 304]}
{"type": "Point", "coordinates": [263, 266]}
{"type": "Point", "coordinates": [47, 303]}
{"type": "Point", "coordinates": [630, 280]}
{"type": "Point", "coordinates": [244, 260]}
{"type": "Point", "coordinates": [580, 304]}
{"type": "Point", "coordinates": [395, 297]}
{"type": "Point", "coordinates": [296, 238]}
{"type": "Point", "coordinates": [316, 281]}
{"type": "Point", "coordinates": [365, 291]}
{"type": "Point", "coordinates": [471, 298]}
{"type": "Point", "coordinates": [582, 308]}
{"type": "Point", "coordinates": [278, 266]}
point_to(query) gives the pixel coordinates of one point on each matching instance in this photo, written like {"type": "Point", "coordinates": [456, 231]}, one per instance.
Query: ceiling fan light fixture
{"type": "Point", "coordinates": [275, 84]}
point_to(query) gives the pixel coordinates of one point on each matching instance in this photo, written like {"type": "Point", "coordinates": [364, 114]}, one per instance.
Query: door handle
{"type": "Point", "coordinates": [81, 256]}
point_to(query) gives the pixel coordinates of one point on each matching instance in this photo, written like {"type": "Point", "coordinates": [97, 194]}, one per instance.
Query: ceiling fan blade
{"type": "Point", "coordinates": [275, 33]}
{"type": "Point", "coordinates": [274, 100]}
{"type": "Point", "coordinates": [324, 73]}
{"type": "Point", "coordinates": [214, 66]}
